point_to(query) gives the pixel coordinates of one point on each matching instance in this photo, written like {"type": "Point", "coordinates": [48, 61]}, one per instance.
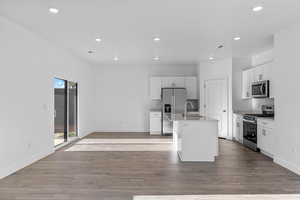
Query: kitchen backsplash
{"type": "Point", "coordinates": [257, 103]}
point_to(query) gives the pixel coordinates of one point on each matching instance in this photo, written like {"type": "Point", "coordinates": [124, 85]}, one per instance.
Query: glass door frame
{"type": "Point", "coordinates": [76, 107]}
{"type": "Point", "coordinates": [65, 112]}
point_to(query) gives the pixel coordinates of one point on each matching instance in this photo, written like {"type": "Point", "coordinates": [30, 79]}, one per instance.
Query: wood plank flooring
{"type": "Point", "coordinates": [120, 175]}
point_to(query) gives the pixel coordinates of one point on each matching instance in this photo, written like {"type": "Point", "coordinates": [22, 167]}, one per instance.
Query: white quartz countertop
{"type": "Point", "coordinates": [196, 118]}
{"type": "Point", "coordinates": [252, 112]}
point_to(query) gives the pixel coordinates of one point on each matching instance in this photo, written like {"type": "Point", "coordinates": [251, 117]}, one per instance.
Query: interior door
{"type": "Point", "coordinates": [216, 103]}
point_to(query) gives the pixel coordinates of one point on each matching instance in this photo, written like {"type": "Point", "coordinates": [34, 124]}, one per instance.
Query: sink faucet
{"type": "Point", "coordinates": [190, 103]}
{"type": "Point", "coordinates": [186, 104]}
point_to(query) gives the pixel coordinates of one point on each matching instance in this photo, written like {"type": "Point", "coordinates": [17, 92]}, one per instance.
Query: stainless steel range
{"type": "Point", "coordinates": [250, 132]}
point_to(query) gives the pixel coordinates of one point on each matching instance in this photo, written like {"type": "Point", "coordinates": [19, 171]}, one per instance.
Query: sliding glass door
{"type": "Point", "coordinates": [65, 113]}
{"type": "Point", "coordinates": [60, 111]}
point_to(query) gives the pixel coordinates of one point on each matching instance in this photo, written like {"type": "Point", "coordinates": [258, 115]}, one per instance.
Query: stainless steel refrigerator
{"type": "Point", "coordinates": [173, 107]}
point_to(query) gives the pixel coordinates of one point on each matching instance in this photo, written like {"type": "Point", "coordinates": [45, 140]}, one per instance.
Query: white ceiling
{"type": "Point", "coordinates": [189, 30]}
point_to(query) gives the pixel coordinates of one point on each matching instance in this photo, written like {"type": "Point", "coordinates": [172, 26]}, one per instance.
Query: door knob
{"type": "Point", "coordinates": [224, 110]}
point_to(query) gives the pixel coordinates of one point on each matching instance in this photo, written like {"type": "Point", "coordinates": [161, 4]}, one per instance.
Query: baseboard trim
{"type": "Point", "coordinates": [288, 165]}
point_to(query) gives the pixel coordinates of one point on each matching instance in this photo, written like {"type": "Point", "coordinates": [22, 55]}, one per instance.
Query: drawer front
{"type": "Point", "coordinates": [155, 114]}
{"type": "Point", "coordinates": [265, 123]}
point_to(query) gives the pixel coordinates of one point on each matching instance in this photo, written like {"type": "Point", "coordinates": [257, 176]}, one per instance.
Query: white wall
{"type": "Point", "coordinates": [216, 70]}
{"type": "Point", "coordinates": [122, 94]}
{"type": "Point", "coordinates": [28, 65]}
{"type": "Point", "coordinates": [238, 65]}
{"type": "Point", "coordinates": [286, 73]}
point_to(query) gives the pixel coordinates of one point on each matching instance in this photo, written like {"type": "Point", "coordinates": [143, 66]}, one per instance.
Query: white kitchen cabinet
{"type": "Point", "coordinates": [265, 137]}
{"type": "Point", "coordinates": [259, 73]}
{"type": "Point", "coordinates": [247, 79]}
{"type": "Point", "coordinates": [155, 88]}
{"type": "Point", "coordinates": [268, 76]}
{"type": "Point", "coordinates": [238, 127]}
{"type": "Point", "coordinates": [172, 81]}
{"type": "Point", "coordinates": [190, 83]}
{"type": "Point", "coordinates": [155, 123]}
{"type": "Point", "coordinates": [192, 146]}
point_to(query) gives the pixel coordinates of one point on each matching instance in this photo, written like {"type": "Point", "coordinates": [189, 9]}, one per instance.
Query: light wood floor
{"type": "Point", "coordinates": [120, 175]}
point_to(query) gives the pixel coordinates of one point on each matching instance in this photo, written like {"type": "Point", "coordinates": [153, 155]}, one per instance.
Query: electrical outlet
{"type": "Point", "coordinates": [293, 150]}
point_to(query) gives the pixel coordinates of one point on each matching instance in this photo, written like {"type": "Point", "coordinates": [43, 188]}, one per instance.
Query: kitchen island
{"type": "Point", "coordinates": [196, 139]}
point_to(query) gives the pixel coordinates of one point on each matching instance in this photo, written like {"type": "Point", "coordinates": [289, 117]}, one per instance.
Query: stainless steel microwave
{"type": "Point", "coordinates": [260, 89]}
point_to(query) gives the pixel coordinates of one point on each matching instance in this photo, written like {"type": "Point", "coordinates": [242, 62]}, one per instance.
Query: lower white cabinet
{"type": "Point", "coordinates": [265, 137]}
{"type": "Point", "coordinates": [155, 123]}
{"type": "Point", "coordinates": [238, 127]}
{"type": "Point", "coordinates": [196, 140]}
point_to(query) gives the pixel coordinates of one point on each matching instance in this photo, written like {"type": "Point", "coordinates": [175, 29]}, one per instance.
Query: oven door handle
{"type": "Point", "coordinates": [252, 122]}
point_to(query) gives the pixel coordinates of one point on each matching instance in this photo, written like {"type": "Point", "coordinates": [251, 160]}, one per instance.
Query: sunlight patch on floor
{"type": "Point", "coordinates": [123, 145]}
{"type": "Point", "coordinates": [125, 141]}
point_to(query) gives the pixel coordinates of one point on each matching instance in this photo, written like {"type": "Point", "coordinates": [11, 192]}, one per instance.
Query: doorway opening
{"type": "Point", "coordinates": [65, 111]}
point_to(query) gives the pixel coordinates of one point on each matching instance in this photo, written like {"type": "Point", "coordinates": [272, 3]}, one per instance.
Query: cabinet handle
{"type": "Point", "coordinates": [264, 132]}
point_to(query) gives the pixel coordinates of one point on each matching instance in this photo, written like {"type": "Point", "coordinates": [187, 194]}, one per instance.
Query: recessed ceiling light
{"type": "Point", "coordinates": [116, 58]}
{"type": "Point", "coordinates": [211, 58]}
{"type": "Point", "coordinates": [98, 39]}
{"type": "Point", "coordinates": [156, 58]}
{"type": "Point", "coordinates": [257, 8]}
{"type": "Point", "coordinates": [236, 38]}
{"type": "Point", "coordinates": [156, 39]}
{"type": "Point", "coordinates": [53, 10]}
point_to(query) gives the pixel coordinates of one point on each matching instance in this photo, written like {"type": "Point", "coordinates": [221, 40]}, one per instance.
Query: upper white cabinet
{"type": "Point", "coordinates": [156, 83]}
{"type": "Point", "coordinates": [172, 81]}
{"type": "Point", "coordinates": [247, 77]}
{"type": "Point", "coordinates": [259, 73]}
{"type": "Point", "coordinates": [190, 84]}
{"type": "Point", "coordinates": [268, 76]}
{"type": "Point", "coordinates": [155, 87]}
